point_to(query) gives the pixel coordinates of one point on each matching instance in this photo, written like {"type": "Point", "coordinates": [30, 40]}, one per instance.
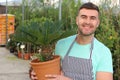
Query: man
{"type": "Point", "coordinates": [83, 56]}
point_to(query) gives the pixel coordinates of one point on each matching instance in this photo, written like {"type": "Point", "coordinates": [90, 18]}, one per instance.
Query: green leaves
{"type": "Point", "coordinates": [43, 34]}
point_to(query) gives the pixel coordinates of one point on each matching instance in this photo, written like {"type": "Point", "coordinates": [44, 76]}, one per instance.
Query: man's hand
{"type": "Point", "coordinates": [49, 77]}
{"type": "Point", "coordinates": [56, 77]}
{"type": "Point", "coordinates": [33, 75]}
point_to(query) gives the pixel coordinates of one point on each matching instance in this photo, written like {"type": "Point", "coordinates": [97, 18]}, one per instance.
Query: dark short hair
{"type": "Point", "coordinates": [89, 5]}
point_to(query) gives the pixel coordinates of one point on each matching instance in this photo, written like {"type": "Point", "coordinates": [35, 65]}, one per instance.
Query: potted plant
{"type": "Point", "coordinates": [45, 35]}
{"type": "Point", "coordinates": [11, 44]}
{"type": "Point", "coordinates": [23, 46]}
{"type": "Point", "coordinates": [19, 54]}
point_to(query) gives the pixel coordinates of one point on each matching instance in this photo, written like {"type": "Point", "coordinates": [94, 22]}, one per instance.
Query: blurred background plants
{"type": "Point", "coordinates": [108, 31]}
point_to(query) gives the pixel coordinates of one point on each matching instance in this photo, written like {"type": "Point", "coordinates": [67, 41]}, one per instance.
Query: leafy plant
{"type": "Point", "coordinates": [43, 35]}
{"type": "Point", "coordinates": [11, 44]}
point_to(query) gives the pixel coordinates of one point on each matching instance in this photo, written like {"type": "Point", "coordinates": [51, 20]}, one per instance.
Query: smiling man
{"type": "Point", "coordinates": [83, 56]}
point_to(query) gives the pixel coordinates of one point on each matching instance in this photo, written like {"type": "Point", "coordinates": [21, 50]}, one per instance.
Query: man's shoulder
{"type": "Point", "coordinates": [100, 44]}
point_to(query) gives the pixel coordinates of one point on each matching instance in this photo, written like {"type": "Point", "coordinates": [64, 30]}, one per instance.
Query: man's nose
{"type": "Point", "coordinates": [88, 21]}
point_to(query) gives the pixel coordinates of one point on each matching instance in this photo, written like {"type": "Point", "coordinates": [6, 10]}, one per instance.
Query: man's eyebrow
{"type": "Point", "coordinates": [93, 16]}
{"type": "Point", "coordinates": [86, 15]}
{"type": "Point", "coordinates": [83, 15]}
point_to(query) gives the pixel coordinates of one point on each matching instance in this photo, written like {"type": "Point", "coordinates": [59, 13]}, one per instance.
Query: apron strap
{"type": "Point", "coordinates": [91, 48]}
{"type": "Point", "coordinates": [70, 47]}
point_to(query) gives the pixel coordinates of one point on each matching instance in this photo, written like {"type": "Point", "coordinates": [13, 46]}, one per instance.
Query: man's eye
{"type": "Point", "coordinates": [83, 17]}
{"type": "Point", "coordinates": [93, 18]}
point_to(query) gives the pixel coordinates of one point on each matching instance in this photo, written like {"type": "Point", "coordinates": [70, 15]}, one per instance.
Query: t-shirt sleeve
{"type": "Point", "coordinates": [105, 63]}
{"type": "Point", "coordinates": [59, 48]}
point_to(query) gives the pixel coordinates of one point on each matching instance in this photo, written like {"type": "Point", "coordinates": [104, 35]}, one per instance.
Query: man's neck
{"type": "Point", "coordinates": [84, 39]}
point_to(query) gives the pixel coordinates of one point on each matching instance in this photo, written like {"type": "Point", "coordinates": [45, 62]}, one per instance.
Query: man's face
{"type": "Point", "coordinates": [87, 21]}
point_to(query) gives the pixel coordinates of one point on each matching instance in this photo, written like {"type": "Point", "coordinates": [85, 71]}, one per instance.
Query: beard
{"type": "Point", "coordinates": [81, 33]}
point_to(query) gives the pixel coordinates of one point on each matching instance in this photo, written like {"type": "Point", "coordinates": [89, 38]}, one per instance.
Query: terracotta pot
{"type": "Point", "coordinates": [48, 67]}
{"type": "Point", "coordinates": [19, 55]}
{"type": "Point", "coordinates": [26, 56]}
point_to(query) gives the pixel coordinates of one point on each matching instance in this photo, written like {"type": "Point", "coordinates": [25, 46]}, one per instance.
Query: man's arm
{"type": "Point", "coordinates": [104, 76]}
